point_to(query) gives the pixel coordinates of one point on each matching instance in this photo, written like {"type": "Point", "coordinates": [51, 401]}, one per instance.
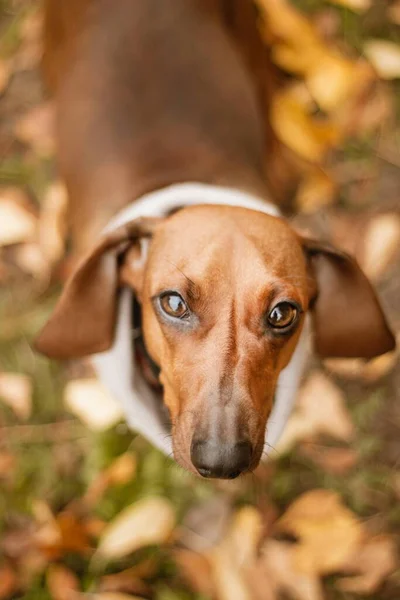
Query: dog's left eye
{"type": "Point", "coordinates": [174, 305]}
{"type": "Point", "coordinates": [283, 315]}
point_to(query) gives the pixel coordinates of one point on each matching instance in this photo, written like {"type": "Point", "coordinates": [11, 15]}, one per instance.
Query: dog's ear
{"type": "Point", "coordinates": [348, 319]}
{"type": "Point", "coordinates": [84, 318]}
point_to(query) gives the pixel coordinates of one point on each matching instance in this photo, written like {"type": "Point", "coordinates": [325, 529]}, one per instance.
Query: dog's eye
{"type": "Point", "coordinates": [283, 315]}
{"type": "Point", "coordinates": [174, 305]}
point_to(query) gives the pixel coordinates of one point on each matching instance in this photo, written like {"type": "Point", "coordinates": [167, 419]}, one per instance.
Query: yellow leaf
{"type": "Point", "coordinates": [314, 416]}
{"type": "Point", "coordinates": [147, 522]}
{"type": "Point", "coordinates": [315, 191]}
{"type": "Point", "coordinates": [16, 392]}
{"type": "Point", "coordinates": [331, 80]}
{"type": "Point", "coordinates": [329, 533]}
{"type": "Point", "coordinates": [356, 5]}
{"type": "Point", "coordinates": [35, 129]}
{"type": "Point", "coordinates": [89, 400]}
{"type": "Point", "coordinates": [113, 596]}
{"type": "Point", "coordinates": [278, 561]}
{"type": "Point", "coordinates": [62, 583]}
{"type": "Point", "coordinates": [385, 57]}
{"type": "Point", "coordinates": [295, 128]}
{"type": "Point", "coordinates": [53, 223]}
{"type": "Point", "coordinates": [357, 368]}
{"type": "Point", "coordinates": [5, 74]}
{"type": "Point", "coordinates": [17, 224]}
{"type": "Point", "coordinates": [381, 243]}
{"type": "Point", "coordinates": [374, 561]}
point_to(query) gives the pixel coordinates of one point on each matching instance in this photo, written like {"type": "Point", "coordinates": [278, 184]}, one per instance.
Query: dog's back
{"type": "Point", "coordinates": [148, 94]}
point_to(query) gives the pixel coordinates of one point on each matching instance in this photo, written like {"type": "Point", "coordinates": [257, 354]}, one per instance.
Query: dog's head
{"type": "Point", "coordinates": [224, 292]}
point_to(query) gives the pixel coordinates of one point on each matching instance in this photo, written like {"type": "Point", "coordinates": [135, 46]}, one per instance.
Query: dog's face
{"type": "Point", "coordinates": [224, 293]}
{"type": "Point", "coordinates": [222, 313]}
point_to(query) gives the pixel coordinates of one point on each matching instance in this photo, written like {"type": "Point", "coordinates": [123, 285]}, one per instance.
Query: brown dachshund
{"type": "Point", "coordinates": [161, 144]}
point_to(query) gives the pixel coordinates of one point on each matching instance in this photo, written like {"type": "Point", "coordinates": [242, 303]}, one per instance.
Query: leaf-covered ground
{"type": "Point", "coordinates": [87, 509]}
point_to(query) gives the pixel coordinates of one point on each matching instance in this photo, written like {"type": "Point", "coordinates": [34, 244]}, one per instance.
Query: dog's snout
{"type": "Point", "coordinates": [220, 459]}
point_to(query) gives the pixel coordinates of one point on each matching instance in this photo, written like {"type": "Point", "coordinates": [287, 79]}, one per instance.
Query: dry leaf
{"type": "Point", "coordinates": [8, 582]}
{"type": "Point", "coordinates": [147, 522]}
{"type": "Point", "coordinates": [235, 553]}
{"type": "Point", "coordinates": [90, 401]}
{"type": "Point", "coordinates": [381, 243]}
{"type": "Point", "coordinates": [59, 534]}
{"type": "Point", "coordinates": [329, 533]}
{"type": "Point", "coordinates": [30, 258]}
{"type": "Point", "coordinates": [278, 560]}
{"type": "Point", "coordinates": [7, 464]}
{"type": "Point", "coordinates": [316, 190]}
{"type": "Point", "coordinates": [297, 130]}
{"type": "Point", "coordinates": [385, 58]}
{"type": "Point", "coordinates": [196, 569]}
{"type": "Point", "coordinates": [357, 368]}
{"type": "Point", "coordinates": [5, 74]}
{"type": "Point", "coordinates": [36, 129]}
{"type": "Point", "coordinates": [320, 409]}
{"type": "Point", "coordinates": [331, 80]}
{"type": "Point", "coordinates": [375, 560]}
{"type": "Point", "coordinates": [62, 583]}
{"type": "Point", "coordinates": [337, 461]}
{"type": "Point", "coordinates": [393, 12]}
{"type": "Point", "coordinates": [16, 392]}
{"type": "Point", "coordinates": [129, 580]}
{"type": "Point", "coordinates": [356, 5]}
{"type": "Point", "coordinates": [121, 471]}
{"type": "Point", "coordinates": [206, 523]}
{"type": "Point", "coordinates": [53, 222]}
{"type": "Point", "coordinates": [113, 596]}
{"type": "Point", "coordinates": [17, 224]}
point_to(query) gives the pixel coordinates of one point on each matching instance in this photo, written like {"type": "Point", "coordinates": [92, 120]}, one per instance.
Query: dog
{"type": "Point", "coordinates": [191, 290]}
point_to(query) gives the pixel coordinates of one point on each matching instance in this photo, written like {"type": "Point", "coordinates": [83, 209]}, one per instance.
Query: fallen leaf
{"type": "Point", "coordinates": [315, 191]}
{"type": "Point", "coordinates": [205, 524]}
{"type": "Point", "coordinates": [337, 461]}
{"type": "Point", "coordinates": [17, 224]}
{"type": "Point", "coordinates": [30, 50]}
{"type": "Point", "coordinates": [119, 472]}
{"type": "Point", "coordinates": [279, 561]}
{"type": "Point", "coordinates": [8, 582]}
{"type": "Point", "coordinates": [5, 74]}
{"type": "Point", "coordinates": [328, 532]}
{"type": "Point", "coordinates": [375, 560]}
{"type": "Point", "coordinates": [320, 409]}
{"type": "Point", "coordinates": [357, 368]}
{"type": "Point", "coordinates": [113, 596]}
{"type": "Point", "coordinates": [52, 227]}
{"type": "Point", "coordinates": [356, 5]}
{"type": "Point", "coordinates": [59, 534]}
{"type": "Point", "coordinates": [30, 259]}
{"type": "Point", "coordinates": [332, 80]}
{"type": "Point", "coordinates": [7, 464]}
{"type": "Point", "coordinates": [35, 129]}
{"type": "Point", "coordinates": [147, 522]}
{"type": "Point", "coordinates": [90, 401]}
{"type": "Point", "coordinates": [384, 56]}
{"type": "Point", "coordinates": [196, 569]}
{"type": "Point", "coordinates": [297, 129]}
{"type": "Point", "coordinates": [129, 580]}
{"type": "Point", "coordinates": [62, 583]}
{"type": "Point", "coordinates": [393, 12]}
{"type": "Point", "coordinates": [381, 243]}
{"type": "Point", "coordinates": [16, 391]}
{"type": "Point", "coordinates": [236, 552]}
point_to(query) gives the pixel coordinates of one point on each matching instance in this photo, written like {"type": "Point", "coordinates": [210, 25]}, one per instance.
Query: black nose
{"type": "Point", "coordinates": [221, 460]}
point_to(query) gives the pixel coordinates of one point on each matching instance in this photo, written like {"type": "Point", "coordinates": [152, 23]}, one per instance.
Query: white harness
{"type": "Point", "coordinates": [116, 368]}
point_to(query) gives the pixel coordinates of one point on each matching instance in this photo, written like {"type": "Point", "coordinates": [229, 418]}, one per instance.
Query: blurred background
{"type": "Point", "coordinates": [88, 509]}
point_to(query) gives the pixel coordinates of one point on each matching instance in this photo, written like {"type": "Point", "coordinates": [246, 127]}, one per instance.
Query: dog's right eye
{"type": "Point", "coordinates": [174, 305]}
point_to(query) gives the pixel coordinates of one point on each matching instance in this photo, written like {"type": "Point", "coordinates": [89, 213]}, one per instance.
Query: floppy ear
{"type": "Point", "coordinates": [348, 319]}
{"type": "Point", "coordinates": [84, 318]}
